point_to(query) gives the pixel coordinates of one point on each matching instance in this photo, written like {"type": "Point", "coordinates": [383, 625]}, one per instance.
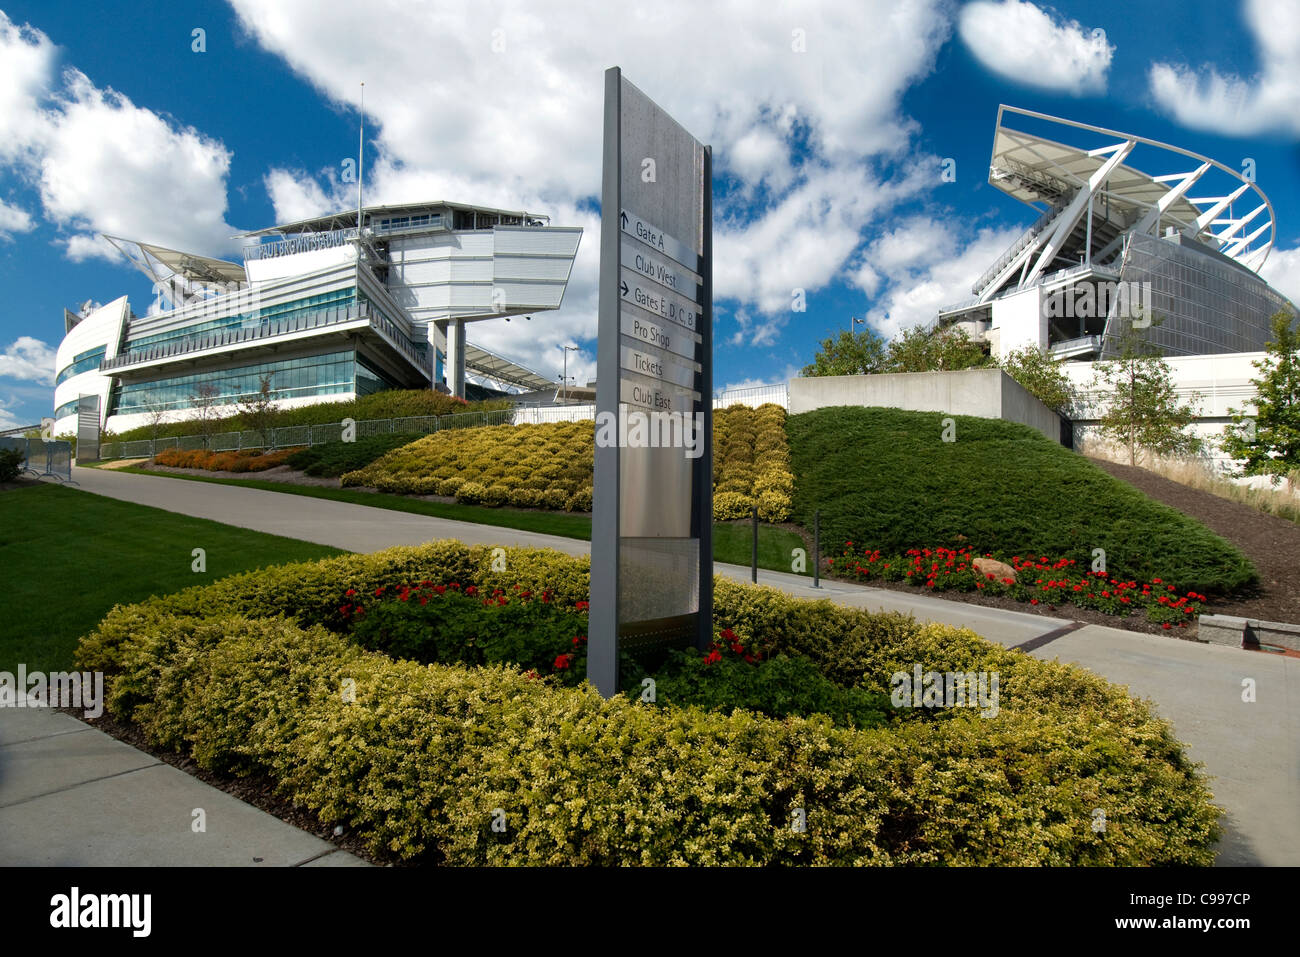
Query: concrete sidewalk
{"type": "Point", "coordinates": [71, 795]}
{"type": "Point", "coordinates": [1251, 750]}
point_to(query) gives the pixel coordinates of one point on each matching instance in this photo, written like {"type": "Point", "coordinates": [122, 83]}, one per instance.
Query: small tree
{"type": "Point", "coordinates": [203, 400]}
{"type": "Point", "coordinates": [851, 353]}
{"type": "Point", "coordinates": [1142, 411]}
{"type": "Point", "coordinates": [155, 417]}
{"type": "Point", "coordinates": [258, 410]}
{"type": "Point", "coordinates": [949, 350]}
{"type": "Point", "coordinates": [1269, 442]}
{"type": "Point", "coordinates": [1042, 377]}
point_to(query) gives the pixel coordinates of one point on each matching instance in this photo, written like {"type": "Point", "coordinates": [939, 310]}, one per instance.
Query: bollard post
{"type": "Point", "coordinates": [817, 549]}
{"type": "Point", "coordinates": [753, 561]}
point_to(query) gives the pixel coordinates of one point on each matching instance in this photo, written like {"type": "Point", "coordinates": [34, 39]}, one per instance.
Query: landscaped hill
{"type": "Point", "coordinates": [388, 404]}
{"type": "Point", "coordinates": [886, 479]}
{"type": "Point", "coordinates": [551, 465]}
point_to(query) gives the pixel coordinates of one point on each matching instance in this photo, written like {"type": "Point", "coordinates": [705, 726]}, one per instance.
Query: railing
{"type": "Point", "coordinates": [1015, 249]}
{"type": "Point", "coordinates": [40, 458]}
{"type": "Point", "coordinates": [294, 436]}
{"type": "Point", "coordinates": [1077, 346]}
{"type": "Point", "coordinates": [778, 394]}
{"type": "Point", "coordinates": [270, 328]}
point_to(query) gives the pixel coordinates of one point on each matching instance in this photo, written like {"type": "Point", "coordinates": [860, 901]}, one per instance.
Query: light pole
{"type": "Point", "coordinates": [855, 321]}
{"type": "Point", "coordinates": [564, 382]}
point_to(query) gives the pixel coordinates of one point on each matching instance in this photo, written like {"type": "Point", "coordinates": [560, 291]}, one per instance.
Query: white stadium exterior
{"type": "Point", "coordinates": [327, 311]}
{"type": "Point", "coordinates": [1171, 254]}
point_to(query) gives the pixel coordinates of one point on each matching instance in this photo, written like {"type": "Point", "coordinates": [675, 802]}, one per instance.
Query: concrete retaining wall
{"type": "Point", "coordinates": [1240, 632]}
{"type": "Point", "coordinates": [984, 393]}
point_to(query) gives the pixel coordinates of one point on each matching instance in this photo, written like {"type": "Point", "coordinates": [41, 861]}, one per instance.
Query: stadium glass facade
{"type": "Point", "coordinates": [1201, 303]}
{"type": "Point", "coordinates": [332, 373]}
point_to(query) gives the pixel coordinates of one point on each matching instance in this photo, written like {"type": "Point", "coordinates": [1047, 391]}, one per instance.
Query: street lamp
{"type": "Point", "coordinates": [855, 321]}
{"type": "Point", "coordinates": [565, 380]}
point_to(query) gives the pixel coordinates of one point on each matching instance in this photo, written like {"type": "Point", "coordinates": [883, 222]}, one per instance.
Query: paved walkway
{"type": "Point", "coordinates": [71, 795]}
{"type": "Point", "coordinates": [1252, 750]}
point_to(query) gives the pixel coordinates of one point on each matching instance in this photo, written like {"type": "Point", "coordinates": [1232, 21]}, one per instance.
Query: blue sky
{"type": "Point", "coordinates": [827, 157]}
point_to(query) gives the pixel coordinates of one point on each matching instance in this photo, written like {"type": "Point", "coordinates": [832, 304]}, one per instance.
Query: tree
{"type": "Point", "coordinates": [155, 416]}
{"type": "Point", "coordinates": [918, 350]}
{"type": "Point", "coordinates": [1269, 442]}
{"type": "Point", "coordinates": [1141, 410]}
{"type": "Point", "coordinates": [1042, 377]}
{"type": "Point", "coordinates": [258, 410]}
{"type": "Point", "coordinates": [852, 353]}
{"type": "Point", "coordinates": [203, 400]}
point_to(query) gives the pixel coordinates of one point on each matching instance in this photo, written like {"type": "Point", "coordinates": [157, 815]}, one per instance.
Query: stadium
{"type": "Point", "coordinates": [1133, 238]}
{"type": "Point", "coordinates": [322, 308]}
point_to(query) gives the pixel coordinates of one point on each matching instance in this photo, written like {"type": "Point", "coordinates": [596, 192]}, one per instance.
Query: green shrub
{"type": "Point", "coordinates": [11, 462]}
{"type": "Point", "coordinates": [883, 479]}
{"type": "Point", "coordinates": [332, 459]}
{"type": "Point", "coordinates": [417, 759]}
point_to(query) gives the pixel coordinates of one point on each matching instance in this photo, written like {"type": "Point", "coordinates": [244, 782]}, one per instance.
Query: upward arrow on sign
{"type": "Point", "coordinates": [623, 219]}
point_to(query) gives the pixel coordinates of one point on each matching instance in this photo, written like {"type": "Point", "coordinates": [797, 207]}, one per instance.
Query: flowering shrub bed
{"type": "Point", "coordinates": [245, 461]}
{"type": "Point", "coordinates": [1038, 581]}
{"type": "Point", "coordinates": [888, 477]}
{"type": "Point", "coordinates": [551, 465]}
{"type": "Point", "coordinates": [256, 673]}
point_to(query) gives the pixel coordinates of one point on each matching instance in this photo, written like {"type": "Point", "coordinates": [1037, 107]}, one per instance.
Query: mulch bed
{"type": "Point", "coordinates": [1272, 543]}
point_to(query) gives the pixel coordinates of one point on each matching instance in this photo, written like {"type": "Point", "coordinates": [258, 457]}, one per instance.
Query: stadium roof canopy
{"type": "Point", "coordinates": [1095, 198]}
{"type": "Point", "coordinates": [493, 366]}
{"type": "Point", "coordinates": [161, 263]}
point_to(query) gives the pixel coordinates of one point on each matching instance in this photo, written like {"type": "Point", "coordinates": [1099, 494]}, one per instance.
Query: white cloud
{"type": "Point", "coordinates": [102, 164]}
{"type": "Point", "coordinates": [27, 59]}
{"type": "Point", "coordinates": [13, 220]}
{"type": "Point", "coordinates": [1023, 43]}
{"type": "Point", "coordinates": [1282, 272]}
{"type": "Point", "coordinates": [296, 196]}
{"type": "Point", "coordinates": [28, 359]}
{"type": "Point", "coordinates": [7, 419]}
{"type": "Point", "coordinates": [1235, 105]}
{"type": "Point", "coordinates": [911, 285]}
{"type": "Point", "coordinates": [521, 128]}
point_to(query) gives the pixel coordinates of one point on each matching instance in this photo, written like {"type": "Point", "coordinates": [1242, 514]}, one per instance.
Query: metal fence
{"type": "Point", "coordinates": [297, 436]}
{"type": "Point", "coordinates": [41, 458]}
{"type": "Point", "coordinates": [778, 394]}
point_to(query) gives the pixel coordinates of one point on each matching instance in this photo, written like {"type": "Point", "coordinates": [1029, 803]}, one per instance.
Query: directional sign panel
{"type": "Point", "coordinates": [652, 510]}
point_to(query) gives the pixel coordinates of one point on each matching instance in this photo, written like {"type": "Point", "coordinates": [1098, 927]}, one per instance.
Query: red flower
{"type": "Point", "coordinates": [713, 657]}
{"type": "Point", "coordinates": [454, 586]}
{"type": "Point", "coordinates": [582, 605]}
{"type": "Point", "coordinates": [1033, 601]}
{"type": "Point", "coordinates": [379, 591]}
{"type": "Point", "coordinates": [1165, 625]}
{"type": "Point", "coordinates": [424, 599]}
{"type": "Point", "coordinates": [440, 589]}
{"type": "Point", "coordinates": [344, 609]}
{"type": "Point", "coordinates": [471, 590]}
{"type": "Point", "coordinates": [350, 592]}
{"type": "Point", "coordinates": [562, 661]}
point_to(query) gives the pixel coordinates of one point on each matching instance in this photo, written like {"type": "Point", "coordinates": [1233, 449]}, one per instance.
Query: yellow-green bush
{"type": "Point", "coordinates": [242, 675]}
{"type": "Point", "coordinates": [751, 458]}
{"type": "Point", "coordinates": [551, 465]}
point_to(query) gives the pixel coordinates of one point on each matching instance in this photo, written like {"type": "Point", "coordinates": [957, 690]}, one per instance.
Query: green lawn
{"type": "Point", "coordinates": [732, 543]}
{"type": "Point", "coordinates": [886, 479]}
{"type": "Point", "coordinates": [70, 556]}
